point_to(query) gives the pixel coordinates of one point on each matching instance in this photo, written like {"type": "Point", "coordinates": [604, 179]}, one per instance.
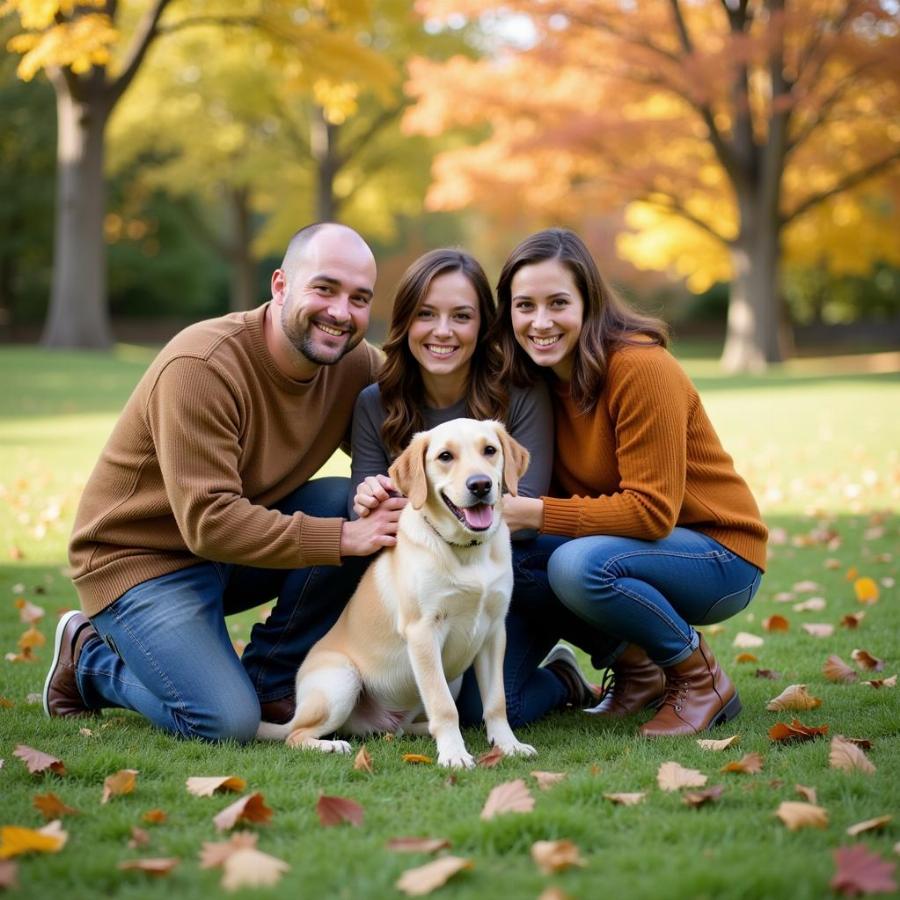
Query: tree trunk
{"type": "Point", "coordinates": [243, 265]}
{"type": "Point", "coordinates": [323, 145]}
{"type": "Point", "coordinates": [78, 314]}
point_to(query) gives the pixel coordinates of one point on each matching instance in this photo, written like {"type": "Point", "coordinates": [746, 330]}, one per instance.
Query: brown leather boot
{"type": "Point", "coordinates": [699, 696]}
{"type": "Point", "coordinates": [637, 683]}
{"type": "Point", "coordinates": [277, 711]}
{"type": "Point", "coordinates": [61, 695]}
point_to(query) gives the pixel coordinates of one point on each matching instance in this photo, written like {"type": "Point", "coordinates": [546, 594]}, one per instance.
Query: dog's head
{"type": "Point", "coordinates": [457, 471]}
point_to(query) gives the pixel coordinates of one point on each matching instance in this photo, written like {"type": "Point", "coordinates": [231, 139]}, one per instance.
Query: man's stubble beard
{"type": "Point", "coordinates": [303, 343]}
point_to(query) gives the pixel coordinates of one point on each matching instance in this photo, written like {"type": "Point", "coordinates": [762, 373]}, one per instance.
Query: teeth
{"type": "Point", "coordinates": [545, 341]}
{"type": "Point", "coordinates": [440, 349]}
{"type": "Point", "coordinates": [336, 332]}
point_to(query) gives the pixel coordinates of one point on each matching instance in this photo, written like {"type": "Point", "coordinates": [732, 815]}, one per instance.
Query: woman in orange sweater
{"type": "Point", "coordinates": [665, 534]}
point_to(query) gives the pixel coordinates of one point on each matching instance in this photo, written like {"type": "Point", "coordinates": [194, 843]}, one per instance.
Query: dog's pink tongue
{"type": "Point", "coordinates": [479, 516]}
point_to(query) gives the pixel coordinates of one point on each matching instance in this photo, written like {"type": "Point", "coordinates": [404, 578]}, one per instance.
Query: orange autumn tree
{"type": "Point", "coordinates": [721, 124]}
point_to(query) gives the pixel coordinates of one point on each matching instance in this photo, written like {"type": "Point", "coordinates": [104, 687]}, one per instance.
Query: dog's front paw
{"type": "Point", "coordinates": [516, 748]}
{"type": "Point", "coordinates": [460, 759]}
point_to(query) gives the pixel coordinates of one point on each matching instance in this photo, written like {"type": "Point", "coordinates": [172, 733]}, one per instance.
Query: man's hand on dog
{"type": "Point", "coordinates": [378, 529]}
{"type": "Point", "coordinates": [372, 492]}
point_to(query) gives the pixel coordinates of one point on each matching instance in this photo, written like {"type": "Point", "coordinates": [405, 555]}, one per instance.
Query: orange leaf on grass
{"type": "Point", "coordinates": [748, 764]}
{"type": "Point", "coordinates": [38, 762]}
{"type": "Point", "coordinates": [698, 798]}
{"type": "Point", "coordinates": [802, 815]}
{"type": "Point", "coordinates": [546, 780]}
{"type": "Point", "coordinates": [626, 799]}
{"type": "Point", "coordinates": [51, 807]}
{"type": "Point", "coordinates": [417, 759]}
{"type": "Point", "coordinates": [31, 639]}
{"type": "Point", "coordinates": [15, 840]}
{"type": "Point", "coordinates": [807, 793]}
{"type": "Point", "coordinates": [425, 879]}
{"type": "Point", "coordinates": [776, 623]}
{"type": "Point", "coordinates": [6, 703]}
{"type": "Point", "coordinates": [335, 810]}
{"type": "Point", "coordinates": [121, 782]}
{"type": "Point", "coordinates": [154, 816]}
{"type": "Point", "coordinates": [848, 757]}
{"type": "Point", "coordinates": [835, 669]}
{"type": "Point", "coordinates": [673, 777]}
{"type": "Point", "coordinates": [746, 658]}
{"type": "Point", "coordinates": [858, 871]}
{"type": "Point", "coordinates": [491, 758]}
{"type": "Point", "coordinates": [852, 620]}
{"type": "Point", "coordinates": [363, 761]}
{"type": "Point", "coordinates": [251, 808]}
{"type": "Point", "coordinates": [158, 867]}
{"type": "Point", "coordinates": [865, 660]}
{"type": "Point", "coordinates": [206, 786]}
{"type": "Point", "coordinates": [510, 797]}
{"type": "Point", "coordinates": [876, 824]}
{"type": "Point", "coordinates": [794, 696]}
{"type": "Point", "coordinates": [866, 590]}
{"type": "Point", "coordinates": [796, 731]}
{"type": "Point", "coordinates": [556, 856]}
{"type": "Point", "coordinates": [417, 844]}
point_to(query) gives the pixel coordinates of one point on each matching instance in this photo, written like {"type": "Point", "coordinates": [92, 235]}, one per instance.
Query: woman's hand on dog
{"type": "Point", "coordinates": [371, 493]}
{"type": "Point", "coordinates": [378, 529]}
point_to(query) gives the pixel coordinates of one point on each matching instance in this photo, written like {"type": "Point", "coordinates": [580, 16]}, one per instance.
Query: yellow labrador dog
{"type": "Point", "coordinates": [426, 608]}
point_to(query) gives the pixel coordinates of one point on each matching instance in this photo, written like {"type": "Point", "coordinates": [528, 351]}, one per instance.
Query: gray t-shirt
{"type": "Point", "coordinates": [529, 420]}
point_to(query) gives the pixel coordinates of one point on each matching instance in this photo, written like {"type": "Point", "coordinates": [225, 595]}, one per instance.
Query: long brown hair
{"type": "Point", "coordinates": [400, 380]}
{"type": "Point", "coordinates": [608, 320]}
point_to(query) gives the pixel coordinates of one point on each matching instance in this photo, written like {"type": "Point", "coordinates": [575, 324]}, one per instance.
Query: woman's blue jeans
{"type": "Point", "coordinates": [166, 652]}
{"type": "Point", "coordinates": [650, 593]}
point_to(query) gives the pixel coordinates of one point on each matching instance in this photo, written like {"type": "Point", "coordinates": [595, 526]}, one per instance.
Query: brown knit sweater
{"type": "Point", "coordinates": [647, 459]}
{"type": "Point", "coordinates": [212, 436]}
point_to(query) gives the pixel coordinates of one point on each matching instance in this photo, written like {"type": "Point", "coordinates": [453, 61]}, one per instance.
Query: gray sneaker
{"type": "Point", "coordinates": [563, 663]}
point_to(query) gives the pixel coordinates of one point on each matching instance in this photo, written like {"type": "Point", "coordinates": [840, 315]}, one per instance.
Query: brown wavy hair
{"type": "Point", "coordinates": [400, 380]}
{"type": "Point", "coordinates": [609, 322]}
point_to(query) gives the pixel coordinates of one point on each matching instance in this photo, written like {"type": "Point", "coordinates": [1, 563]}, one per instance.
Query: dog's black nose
{"type": "Point", "coordinates": [479, 485]}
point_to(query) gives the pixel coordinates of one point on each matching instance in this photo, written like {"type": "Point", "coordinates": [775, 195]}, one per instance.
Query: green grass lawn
{"type": "Point", "coordinates": [822, 452]}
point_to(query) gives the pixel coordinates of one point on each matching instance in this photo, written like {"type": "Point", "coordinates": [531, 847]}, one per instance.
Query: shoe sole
{"type": "Point", "coordinates": [728, 712]}
{"type": "Point", "coordinates": [57, 646]}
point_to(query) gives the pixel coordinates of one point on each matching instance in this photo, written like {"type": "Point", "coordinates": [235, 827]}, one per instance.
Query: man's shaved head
{"type": "Point", "coordinates": [299, 243]}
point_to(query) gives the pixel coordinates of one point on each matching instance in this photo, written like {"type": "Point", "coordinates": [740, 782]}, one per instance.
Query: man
{"type": "Point", "coordinates": [202, 505]}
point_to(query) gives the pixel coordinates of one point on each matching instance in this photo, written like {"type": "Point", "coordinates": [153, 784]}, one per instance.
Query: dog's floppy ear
{"type": "Point", "coordinates": [515, 459]}
{"type": "Point", "coordinates": [408, 471]}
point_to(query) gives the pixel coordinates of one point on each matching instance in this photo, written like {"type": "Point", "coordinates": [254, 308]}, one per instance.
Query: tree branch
{"type": "Point", "coordinates": [144, 35]}
{"type": "Point", "coordinates": [672, 205]}
{"type": "Point", "coordinates": [222, 21]}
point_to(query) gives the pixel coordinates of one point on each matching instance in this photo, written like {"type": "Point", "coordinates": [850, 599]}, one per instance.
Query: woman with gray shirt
{"type": "Point", "coordinates": [439, 366]}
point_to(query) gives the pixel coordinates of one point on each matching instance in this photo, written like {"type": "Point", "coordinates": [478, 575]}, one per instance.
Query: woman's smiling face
{"type": "Point", "coordinates": [547, 313]}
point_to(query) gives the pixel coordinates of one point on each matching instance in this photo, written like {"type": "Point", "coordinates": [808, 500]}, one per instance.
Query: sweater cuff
{"type": "Point", "coordinates": [559, 517]}
{"type": "Point", "coordinates": [320, 541]}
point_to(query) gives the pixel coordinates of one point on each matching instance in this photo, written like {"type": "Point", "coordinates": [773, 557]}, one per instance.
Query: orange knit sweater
{"type": "Point", "coordinates": [647, 459]}
{"type": "Point", "coordinates": [213, 435]}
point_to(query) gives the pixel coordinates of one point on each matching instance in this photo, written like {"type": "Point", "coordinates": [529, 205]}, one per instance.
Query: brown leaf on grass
{"type": "Point", "coordinates": [673, 777]}
{"type": "Point", "coordinates": [743, 640]}
{"type": "Point", "coordinates": [865, 660]}
{"type": "Point", "coordinates": [203, 786]}
{"type": "Point", "coordinates": [29, 613]}
{"type": "Point", "coordinates": [546, 780]}
{"type": "Point", "coordinates": [784, 597]}
{"type": "Point", "coordinates": [724, 744]}
{"type": "Point", "coordinates": [807, 793]}
{"type": "Point", "coordinates": [425, 879]}
{"type": "Point", "coordinates": [796, 731]}
{"type": "Point", "coordinates": [848, 757]}
{"type": "Point", "coordinates": [25, 656]}
{"type": "Point", "coordinates": [249, 867]}
{"type": "Point", "coordinates": [818, 629]}
{"type": "Point", "coordinates": [806, 587]}
{"type": "Point", "coordinates": [876, 824]}
{"type": "Point", "coordinates": [554, 893]}
{"type": "Point", "coordinates": [858, 871]}
{"type": "Point", "coordinates": [814, 604]}
{"type": "Point", "coordinates": [509, 797]}
{"type": "Point", "coordinates": [158, 867]}
{"type": "Point", "coordinates": [6, 703]}
{"type": "Point", "coordinates": [51, 807]}
{"type": "Point", "coordinates": [31, 639]}
{"type": "Point", "coordinates": [491, 758]}
{"type": "Point", "coordinates": [121, 782]}
{"type": "Point", "coordinates": [835, 669]}
{"type": "Point", "coordinates": [698, 798]}
{"type": "Point", "coordinates": [335, 810]}
{"type": "Point", "coordinates": [794, 696]}
{"type": "Point", "coordinates": [862, 743]}
{"type": "Point", "coordinates": [851, 574]}
{"type": "Point", "coordinates": [9, 874]}
{"type": "Point", "coordinates": [363, 761]}
{"type": "Point", "coordinates": [38, 763]}
{"type": "Point", "coordinates": [417, 844]}
{"type": "Point", "coordinates": [154, 816]}
{"type": "Point", "coordinates": [251, 808]}
{"type": "Point", "coordinates": [776, 623]}
{"type": "Point", "coordinates": [771, 674]}
{"type": "Point", "coordinates": [139, 837]}
{"type": "Point", "coordinates": [882, 682]}
{"type": "Point", "coordinates": [214, 853]}
{"type": "Point", "coordinates": [748, 764]}
{"type": "Point", "coordinates": [866, 590]}
{"type": "Point", "coordinates": [626, 799]}
{"type": "Point", "coordinates": [556, 856]}
{"type": "Point", "coordinates": [417, 759]}
{"type": "Point", "coordinates": [746, 658]}
{"type": "Point", "coordinates": [852, 620]}
{"type": "Point", "coordinates": [802, 815]}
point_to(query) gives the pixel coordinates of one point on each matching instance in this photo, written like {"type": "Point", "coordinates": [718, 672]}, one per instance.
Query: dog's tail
{"type": "Point", "coordinates": [270, 731]}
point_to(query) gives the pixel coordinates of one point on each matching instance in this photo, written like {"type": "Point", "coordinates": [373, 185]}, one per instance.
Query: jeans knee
{"type": "Point", "coordinates": [579, 583]}
{"type": "Point", "coordinates": [227, 723]}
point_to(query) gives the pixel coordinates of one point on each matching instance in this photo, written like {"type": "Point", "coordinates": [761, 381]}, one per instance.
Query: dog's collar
{"type": "Point", "coordinates": [473, 543]}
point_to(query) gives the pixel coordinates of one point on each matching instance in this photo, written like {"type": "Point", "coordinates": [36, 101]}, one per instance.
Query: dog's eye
{"type": "Point", "coordinates": [445, 456]}
{"type": "Point", "coordinates": [490, 450]}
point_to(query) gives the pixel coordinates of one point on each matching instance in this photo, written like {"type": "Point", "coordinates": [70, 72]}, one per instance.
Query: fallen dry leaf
{"type": "Point", "coordinates": [626, 799]}
{"type": "Point", "coordinates": [724, 744]}
{"type": "Point", "coordinates": [744, 640]}
{"type": "Point", "coordinates": [206, 786]}
{"type": "Point", "coordinates": [251, 808]}
{"type": "Point", "coordinates": [214, 853]}
{"type": "Point", "coordinates": [31, 639]}
{"type": "Point", "coordinates": [509, 797]}
{"type": "Point", "coordinates": [748, 764]}
{"type": "Point", "coordinates": [6, 703]}
{"type": "Point", "coordinates": [794, 696]}
{"type": "Point", "coordinates": [818, 629]}
{"type": "Point", "coordinates": [157, 867]}
{"type": "Point", "coordinates": [806, 587]}
{"type": "Point", "coordinates": [121, 782]}
{"type": "Point", "coordinates": [858, 871]}
{"type": "Point", "coordinates": [29, 613]}
{"type": "Point", "coordinates": [875, 824]}
{"type": "Point", "coordinates": [363, 761]}
{"type": "Point", "coordinates": [15, 840]}
{"type": "Point", "coordinates": [698, 798]}
{"type": "Point", "coordinates": [139, 837]}
{"type": "Point", "coordinates": [848, 757]}
{"type": "Point", "coordinates": [796, 731]}
{"type": "Point", "coordinates": [746, 658]}
{"type": "Point", "coordinates": [802, 815]}
{"type": "Point", "coordinates": [852, 620]}
{"type": "Point", "coordinates": [554, 893]}
{"type": "Point", "coordinates": [425, 879]}
{"type": "Point", "coordinates": [51, 807]}
{"type": "Point", "coordinates": [832, 564]}
{"type": "Point", "coordinates": [835, 669]}
{"type": "Point", "coordinates": [491, 758]}
{"type": "Point", "coordinates": [807, 793]}
{"type": "Point", "coordinates": [776, 623]}
{"type": "Point", "coordinates": [771, 674]}
{"type": "Point", "coordinates": [814, 604]}
{"type": "Point", "coordinates": [865, 660]}
{"type": "Point", "coordinates": [249, 867]}
{"type": "Point", "coordinates": [882, 682]}
{"type": "Point", "coordinates": [38, 763]}
{"type": "Point", "coordinates": [154, 816]}
{"type": "Point", "coordinates": [417, 844]}
{"type": "Point", "coordinates": [866, 590]}
{"type": "Point", "coordinates": [417, 759]}
{"type": "Point", "coordinates": [556, 856]}
{"type": "Point", "coordinates": [9, 874]}
{"type": "Point", "coordinates": [673, 777]}
{"type": "Point", "coordinates": [335, 810]}
{"type": "Point", "coordinates": [546, 780]}
{"type": "Point", "coordinates": [784, 597]}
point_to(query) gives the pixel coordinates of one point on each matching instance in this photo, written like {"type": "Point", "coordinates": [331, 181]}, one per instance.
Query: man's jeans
{"type": "Point", "coordinates": [166, 652]}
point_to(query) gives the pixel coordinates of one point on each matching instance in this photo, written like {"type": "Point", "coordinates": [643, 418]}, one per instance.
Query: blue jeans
{"type": "Point", "coordinates": [166, 653]}
{"type": "Point", "coordinates": [535, 622]}
{"type": "Point", "coordinates": [650, 593]}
